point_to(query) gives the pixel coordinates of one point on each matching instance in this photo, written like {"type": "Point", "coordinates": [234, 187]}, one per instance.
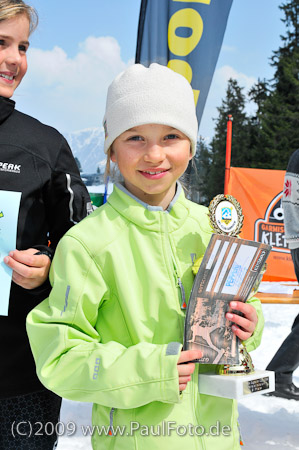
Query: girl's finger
{"type": "Point", "coordinates": [184, 380]}
{"type": "Point", "coordinates": [242, 322]}
{"type": "Point", "coordinates": [189, 355]}
{"type": "Point", "coordinates": [246, 309]}
{"type": "Point", "coordinates": [242, 335]}
{"type": "Point", "coordinates": [185, 369]}
{"type": "Point", "coordinates": [21, 269]}
{"type": "Point", "coordinates": [29, 258]}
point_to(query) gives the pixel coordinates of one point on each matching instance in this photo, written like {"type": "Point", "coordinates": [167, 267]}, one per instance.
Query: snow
{"type": "Point", "coordinates": [100, 189]}
{"type": "Point", "coordinates": [267, 423]}
{"type": "Point", "coordinates": [271, 422]}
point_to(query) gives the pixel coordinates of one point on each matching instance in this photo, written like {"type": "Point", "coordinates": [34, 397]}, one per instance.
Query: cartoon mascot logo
{"type": "Point", "coordinates": [270, 230]}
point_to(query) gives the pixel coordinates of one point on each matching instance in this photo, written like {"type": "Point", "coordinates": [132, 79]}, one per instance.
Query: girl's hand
{"type": "Point", "coordinates": [29, 270]}
{"type": "Point", "coordinates": [185, 368]}
{"type": "Point", "coordinates": [243, 326]}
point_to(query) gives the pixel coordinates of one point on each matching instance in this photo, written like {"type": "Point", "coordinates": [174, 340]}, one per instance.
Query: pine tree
{"type": "Point", "coordinates": [200, 162]}
{"type": "Point", "coordinates": [233, 104]}
{"type": "Point", "coordinates": [279, 114]}
{"type": "Point", "coordinates": [258, 94]}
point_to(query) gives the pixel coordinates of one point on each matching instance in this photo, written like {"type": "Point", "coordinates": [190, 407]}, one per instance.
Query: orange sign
{"type": "Point", "coordinates": [259, 192]}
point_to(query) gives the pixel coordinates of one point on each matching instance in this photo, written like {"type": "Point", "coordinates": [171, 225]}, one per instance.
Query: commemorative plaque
{"type": "Point", "coordinates": [230, 270]}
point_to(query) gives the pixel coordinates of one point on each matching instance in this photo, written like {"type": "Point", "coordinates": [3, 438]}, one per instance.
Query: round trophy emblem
{"type": "Point", "coordinates": [225, 214]}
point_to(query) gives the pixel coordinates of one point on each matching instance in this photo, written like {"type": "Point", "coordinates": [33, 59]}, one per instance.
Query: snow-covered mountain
{"type": "Point", "coordinates": [88, 146]}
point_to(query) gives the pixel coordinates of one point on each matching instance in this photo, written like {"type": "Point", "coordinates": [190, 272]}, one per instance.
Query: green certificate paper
{"type": "Point", "coordinates": [9, 212]}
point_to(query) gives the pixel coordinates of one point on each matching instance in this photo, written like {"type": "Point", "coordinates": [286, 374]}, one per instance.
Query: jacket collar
{"type": "Point", "coordinates": [147, 216]}
{"type": "Point", "coordinates": [7, 106]}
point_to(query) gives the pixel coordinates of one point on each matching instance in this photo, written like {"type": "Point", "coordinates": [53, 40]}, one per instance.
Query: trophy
{"type": "Point", "coordinates": [231, 269]}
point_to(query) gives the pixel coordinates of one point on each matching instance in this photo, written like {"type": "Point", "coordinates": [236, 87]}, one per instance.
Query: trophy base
{"type": "Point", "coordinates": [236, 386]}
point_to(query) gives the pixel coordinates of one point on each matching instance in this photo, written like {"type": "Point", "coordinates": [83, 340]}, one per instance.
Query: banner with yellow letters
{"type": "Point", "coordinates": [185, 36]}
{"type": "Point", "coordinates": [259, 193]}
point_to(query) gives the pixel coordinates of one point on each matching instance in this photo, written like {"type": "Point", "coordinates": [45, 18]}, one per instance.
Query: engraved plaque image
{"type": "Point", "coordinates": [228, 271]}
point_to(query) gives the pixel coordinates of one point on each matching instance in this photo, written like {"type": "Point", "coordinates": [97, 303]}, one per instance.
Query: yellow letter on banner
{"type": "Point", "coordinates": [206, 2]}
{"type": "Point", "coordinates": [183, 68]}
{"type": "Point", "coordinates": [188, 18]}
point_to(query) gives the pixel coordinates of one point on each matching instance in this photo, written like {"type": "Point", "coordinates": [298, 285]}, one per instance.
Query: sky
{"type": "Point", "coordinates": [79, 47]}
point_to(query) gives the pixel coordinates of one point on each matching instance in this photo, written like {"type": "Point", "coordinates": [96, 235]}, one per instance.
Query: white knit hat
{"type": "Point", "coordinates": [142, 95]}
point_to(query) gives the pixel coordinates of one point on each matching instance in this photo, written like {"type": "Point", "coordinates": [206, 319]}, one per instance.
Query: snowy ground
{"type": "Point", "coordinates": [267, 423]}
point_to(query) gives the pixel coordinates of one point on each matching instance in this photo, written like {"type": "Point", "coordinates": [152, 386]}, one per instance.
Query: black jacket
{"type": "Point", "coordinates": [35, 160]}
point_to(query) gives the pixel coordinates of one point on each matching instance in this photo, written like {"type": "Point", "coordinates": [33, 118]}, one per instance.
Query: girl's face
{"type": "Point", "coordinates": [14, 43]}
{"type": "Point", "coordinates": [151, 158]}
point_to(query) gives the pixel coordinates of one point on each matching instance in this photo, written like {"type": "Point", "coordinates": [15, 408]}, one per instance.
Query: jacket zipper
{"type": "Point", "coordinates": [110, 433]}
{"type": "Point", "coordinates": [183, 296]}
{"type": "Point", "coordinates": [178, 283]}
{"type": "Point", "coordinates": [178, 280]}
{"type": "Point", "coordinates": [240, 435]}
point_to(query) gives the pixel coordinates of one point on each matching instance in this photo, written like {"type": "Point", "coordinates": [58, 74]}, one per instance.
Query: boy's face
{"type": "Point", "coordinates": [151, 158]}
{"type": "Point", "coordinates": [14, 43]}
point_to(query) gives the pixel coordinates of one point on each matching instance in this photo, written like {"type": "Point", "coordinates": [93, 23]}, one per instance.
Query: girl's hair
{"type": "Point", "coordinates": [12, 8]}
{"type": "Point", "coordinates": [111, 170]}
{"type": "Point", "coordinates": [108, 165]}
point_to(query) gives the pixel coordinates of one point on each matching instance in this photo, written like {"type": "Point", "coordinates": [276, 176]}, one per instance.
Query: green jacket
{"type": "Point", "coordinates": [111, 331]}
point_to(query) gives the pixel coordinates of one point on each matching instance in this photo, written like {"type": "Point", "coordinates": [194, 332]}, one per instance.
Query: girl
{"type": "Point", "coordinates": [36, 161]}
{"type": "Point", "coordinates": [111, 331]}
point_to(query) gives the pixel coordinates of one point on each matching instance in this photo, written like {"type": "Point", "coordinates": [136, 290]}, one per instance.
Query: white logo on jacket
{"type": "Point", "coordinates": [96, 369]}
{"type": "Point", "coordinates": [8, 167]}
